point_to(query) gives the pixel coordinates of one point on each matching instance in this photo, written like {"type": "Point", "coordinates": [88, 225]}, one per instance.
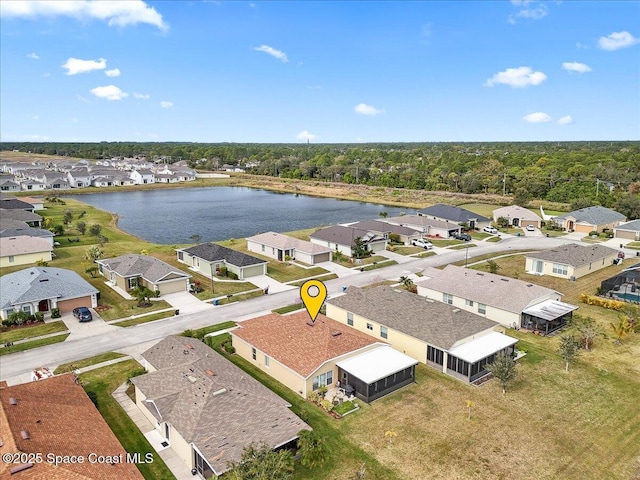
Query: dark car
{"type": "Point", "coordinates": [83, 314]}
{"type": "Point", "coordinates": [462, 236]}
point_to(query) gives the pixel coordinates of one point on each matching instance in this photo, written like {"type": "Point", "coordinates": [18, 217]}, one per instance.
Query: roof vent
{"type": "Point", "coordinates": [455, 310]}
{"type": "Point", "coordinates": [219, 392]}
{"type": "Point", "coordinates": [310, 323]}
{"type": "Point", "coordinates": [430, 300]}
{"type": "Point", "coordinates": [44, 280]}
{"type": "Point", "coordinates": [336, 333]}
{"type": "Point", "coordinates": [529, 284]}
{"type": "Point", "coordinates": [189, 346]}
{"type": "Point", "coordinates": [25, 435]}
{"type": "Point", "coordinates": [13, 401]}
{"type": "Point", "coordinates": [192, 379]}
{"type": "Point", "coordinates": [211, 373]}
{"type": "Point", "coordinates": [21, 467]}
{"type": "Point", "coordinates": [504, 279]}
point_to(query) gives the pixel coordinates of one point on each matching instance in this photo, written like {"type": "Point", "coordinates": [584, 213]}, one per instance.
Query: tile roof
{"type": "Point", "coordinates": [438, 324]}
{"type": "Point", "coordinates": [344, 235]}
{"type": "Point", "coordinates": [488, 288]}
{"type": "Point", "coordinates": [455, 214]}
{"type": "Point", "coordinates": [595, 215]}
{"type": "Point", "coordinates": [213, 403]}
{"type": "Point", "coordinates": [285, 242]}
{"type": "Point", "coordinates": [212, 252]}
{"type": "Point", "coordinates": [61, 420]}
{"type": "Point", "coordinates": [574, 255]}
{"type": "Point", "coordinates": [23, 244]}
{"type": "Point", "coordinates": [303, 348]}
{"type": "Point", "coordinates": [150, 268]}
{"type": "Point", "coordinates": [633, 226]}
{"type": "Point", "coordinates": [40, 283]}
{"type": "Point", "coordinates": [515, 211]}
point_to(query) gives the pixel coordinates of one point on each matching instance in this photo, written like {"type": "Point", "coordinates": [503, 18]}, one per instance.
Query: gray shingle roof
{"type": "Point", "coordinates": [212, 252]}
{"type": "Point", "coordinates": [8, 223]}
{"type": "Point", "coordinates": [150, 268]}
{"type": "Point", "coordinates": [40, 283]}
{"type": "Point", "coordinates": [379, 226]}
{"type": "Point", "coordinates": [25, 231]}
{"type": "Point", "coordinates": [574, 255]}
{"type": "Point", "coordinates": [285, 242]}
{"type": "Point", "coordinates": [22, 215]}
{"type": "Point", "coordinates": [455, 214]}
{"type": "Point", "coordinates": [213, 403]}
{"type": "Point", "coordinates": [438, 324]}
{"type": "Point", "coordinates": [496, 290]}
{"type": "Point", "coordinates": [595, 215]}
{"type": "Point", "coordinates": [14, 204]}
{"type": "Point", "coordinates": [633, 226]}
{"type": "Point", "coordinates": [420, 222]}
{"type": "Point", "coordinates": [515, 211]}
{"type": "Point", "coordinates": [344, 235]}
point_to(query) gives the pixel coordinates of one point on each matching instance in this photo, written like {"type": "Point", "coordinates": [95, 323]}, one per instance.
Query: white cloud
{"type": "Point", "coordinates": [305, 135]}
{"type": "Point", "coordinates": [36, 117]}
{"type": "Point", "coordinates": [576, 67]}
{"type": "Point", "coordinates": [617, 40]}
{"type": "Point", "coordinates": [528, 11]}
{"type": "Point", "coordinates": [365, 109]}
{"type": "Point", "coordinates": [34, 56]}
{"type": "Point", "coordinates": [75, 65]}
{"type": "Point", "coordinates": [141, 96]}
{"type": "Point", "coordinates": [166, 104]}
{"type": "Point", "coordinates": [566, 120]}
{"type": "Point", "coordinates": [115, 13]}
{"type": "Point", "coordinates": [273, 52]}
{"type": "Point", "coordinates": [110, 92]}
{"type": "Point", "coordinates": [537, 117]}
{"type": "Point", "coordinates": [517, 77]}
{"type": "Point", "coordinates": [112, 73]}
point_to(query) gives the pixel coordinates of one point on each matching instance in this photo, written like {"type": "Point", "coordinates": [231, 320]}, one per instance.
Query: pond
{"type": "Point", "coordinates": [173, 216]}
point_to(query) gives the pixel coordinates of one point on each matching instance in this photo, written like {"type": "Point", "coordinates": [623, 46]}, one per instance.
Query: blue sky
{"type": "Point", "coordinates": [327, 72]}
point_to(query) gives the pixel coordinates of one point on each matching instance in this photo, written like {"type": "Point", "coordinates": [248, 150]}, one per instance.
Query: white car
{"type": "Point", "coordinates": [490, 229]}
{"type": "Point", "coordinates": [530, 228]}
{"type": "Point", "coordinates": [421, 242]}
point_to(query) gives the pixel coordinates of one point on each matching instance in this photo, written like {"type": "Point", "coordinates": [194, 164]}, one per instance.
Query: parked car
{"type": "Point", "coordinates": [462, 236]}
{"type": "Point", "coordinates": [490, 229]}
{"type": "Point", "coordinates": [83, 314]}
{"type": "Point", "coordinates": [530, 228]}
{"type": "Point", "coordinates": [421, 242]}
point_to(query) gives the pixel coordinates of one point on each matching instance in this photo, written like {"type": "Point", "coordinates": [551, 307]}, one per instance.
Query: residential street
{"type": "Point", "coordinates": [135, 339]}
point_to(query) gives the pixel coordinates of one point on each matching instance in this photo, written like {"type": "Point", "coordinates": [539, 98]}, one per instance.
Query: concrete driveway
{"type": "Point", "coordinates": [186, 303]}
{"type": "Point", "coordinates": [264, 281]}
{"type": "Point", "coordinates": [80, 329]}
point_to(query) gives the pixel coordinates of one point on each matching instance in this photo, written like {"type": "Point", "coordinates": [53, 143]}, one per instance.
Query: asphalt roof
{"type": "Point", "coordinates": [633, 225]}
{"type": "Point", "coordinates": [14, 204]}
{"type": "Point", "coordinates": [515, 211]}
{"type": "Point", "coordinates": [435, 323]}
{"type": "Point", "coordinates": [595, 215]}
{"type": "Point", "coordinates": [285, 242]}
{"type": "Point", "coordinates": [133, 264]}
{"type": "Point", "coordinates": [18, 214]}
{"type": "Point", "coordinates": [455, 214]}
{"type": "Point", "coordinates": [344, 235]}
{"type": "Point", "coordinates": [25, 231]}
{"type": "Point", "coordinates": [212, 403]}
{"type": "Point", "coordinates": [212, 252]}
{"type": "Point", "coordinates": [574, 255]}
{"type": "Point", "coordinates": [23, 244]}
{"type": "Point", "coordinates": [380, 226]}
{"type": "Point", "coordinates": [40, 283]}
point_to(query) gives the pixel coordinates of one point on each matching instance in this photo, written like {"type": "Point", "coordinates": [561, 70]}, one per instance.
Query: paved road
{"type": "Point", "coordinates": [21, 364]}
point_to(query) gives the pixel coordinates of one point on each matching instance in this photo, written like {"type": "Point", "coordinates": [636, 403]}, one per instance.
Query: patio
{"type": "Point", "coordinates": [338, 394]}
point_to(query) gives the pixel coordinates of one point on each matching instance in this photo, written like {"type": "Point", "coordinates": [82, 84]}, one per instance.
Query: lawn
{"type": "Point", "coordinates": [382, 264]}
{"type": "Point", "coordinates": [223, 288]}
{"type": "Point", "coordinates": [462, 247]}
{"type": "Point", "coordinates": [21, 347]}
{"type": "Point", "coordinates": [21, 333]}
{"type": "Point", "coordinates": [144, 319]}
{"type": "Point", "coordinates": [407, 250]}
{"type": "Point", "coordinates": [349, 263]}
{"type": "Point", "coordinates": [445, 242]}
{"type": "Point", "coordinates": [634, 245]}
{"type": "Point", "coordinates": [103, 381]}
{"type": "Point", "coordinates": [284, 272]}
{"type": "Point", "coordinates": [202, 332]}
{"type": "Point", "coordinates": [71, 366]}
{"type": "Point", "coordinates": [289, 308]}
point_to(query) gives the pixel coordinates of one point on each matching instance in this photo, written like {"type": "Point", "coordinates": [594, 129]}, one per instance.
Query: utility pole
{"type": "Point", "coordinates": [357, 172]}
{"type": "Point", "coordinates": [504, 184]}
{"type": "Point", "coordinates": [597, 187]}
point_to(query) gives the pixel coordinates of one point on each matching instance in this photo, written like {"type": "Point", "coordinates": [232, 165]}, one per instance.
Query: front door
{"type": "Point", "coordinates": [166, 431]}
{"type": "Point", "coordinates": [516, 222]}
{"type": "Point", "coordinates": [43, 306]}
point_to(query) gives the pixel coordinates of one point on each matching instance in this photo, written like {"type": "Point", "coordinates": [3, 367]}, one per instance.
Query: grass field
{"type": "Point", "coordinates": [21, 347]}
{"type": "Point", "coordinates": [22, 333]}
{"type": "Point", "coordinates": [85, 362]}
{"type": "Point", "coordinates": [144, 319]}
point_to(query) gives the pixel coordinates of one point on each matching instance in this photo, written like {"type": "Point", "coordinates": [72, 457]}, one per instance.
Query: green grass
{"type": "Point", "coordinates": [494, 239]}
{"type": "Point", "coordinates": [21, 333]}
{"type": "Point", "coordinates": [146, 318]}
{"type": "Point", "coordinates": [239, 297]}
{"type": "Point", "coordinates": [385, 263]}
{"type": "Point", "coordinates": [202, 332]}
{"type": "Point", "coordinates": [21, 347]}
{"type": "Point", "coordinates": [429, 253]}
{"type": "Point", "coordinates": [347, 262]}
{"type": "Point", "coordinates": [484, 209]}
{"type": "Point", "coordinates": [445, 242]}
{"type": "Point", "coordinates": [223, 288]}
{"type": "Point", "coordinates": [288, 308]}
{"type": "Point", "coordinates": [103, 381]}
{"type": "Point", "coordinates": [634, 245]}
{"type": "Point", "coordinates": [344, 407]}
{"type": "Point", "coordinates": [327, 276]}
{"type": "Point", "coordinates": [284, 272]}
{"type": "Point", "coordinates": [71, 366]}
{"type": "Point", "coordinates": [479, 235]}
{"type": "Point", "coordinates": [462, 247]}
{"type": "Point", "coordinates": [407, 250]}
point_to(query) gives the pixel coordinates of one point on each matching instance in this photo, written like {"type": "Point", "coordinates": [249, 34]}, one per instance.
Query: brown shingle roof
{"type": "Point", "coordinates": [290, 340]}
{"type": "Point", "coordinates": [61, 420]}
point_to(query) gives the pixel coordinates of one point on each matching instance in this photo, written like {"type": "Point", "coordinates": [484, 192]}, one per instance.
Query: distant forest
{"type": "Point", "coordinates": [578, 173]}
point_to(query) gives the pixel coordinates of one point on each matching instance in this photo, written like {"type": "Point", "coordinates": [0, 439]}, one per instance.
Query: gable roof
{"type": "Point", "coordinates": [488, 288]}
{"type": "Point", "coordinates": [23, 244]}
{"type": "Point", "coordinates": [303, 348]}
{"type": "Point", "coordinates": [435, 323]}
{"type": "Point", "coordinates": [40, 283]}
{"type": "Point", "coordinates": [61, 420]}
{"type": "Point", "coordinates": [632, 226]}
{"type": "Point", "coordinates": [24, 230]}
{"type": "Point", "coordinates": [150, 268]}
{"type": "Point", "coordinates": [213, 403]}
{"type": "Point", "coordinates": [22, 215]}
{"type": "Point", "coordinates": [10, 203]}
{"type": "Point", "coordinates": [285, 242]}
{"type": "Point", "coordinates": [574, 254]}
{"type": "Point", "coordinates": [420, 222]}
{"type": "Point", "coordinates": [515, 211]}
{"type": "Point", "coordinates": [345, 235]}
{"type": "Point", "coordinates": [595, 215]}
{"type": "Point", "coordinates": [11, 223]}
{"type": "Point", "coordinates": [455, 214]}
{"type": "Point", "coordinates": [380, 226]}
{"type": "Point", "coordinates": [212, 252]}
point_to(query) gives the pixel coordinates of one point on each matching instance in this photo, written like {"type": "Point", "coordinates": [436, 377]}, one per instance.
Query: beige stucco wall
{"type": "Point", "coordinates": [594, 266]}
{"type": "Point", "coordinates": [25, 259]}
{"type": "Point", "coordinates": [254, 270]}
{"type": "Point", "coordinates": [268, 251]}
{"type": "Point", "coordinates": [627, 234]}
{"type": "Point", "coordinates": [173, 286]}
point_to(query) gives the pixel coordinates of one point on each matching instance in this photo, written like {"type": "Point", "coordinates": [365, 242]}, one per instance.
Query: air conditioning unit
{"type": "Point", "coordinates": [572, 278]}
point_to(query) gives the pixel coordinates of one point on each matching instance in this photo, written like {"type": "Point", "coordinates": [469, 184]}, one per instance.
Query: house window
{"type": "Point", "coordinates": [482, 308]}
{"type": "Point", "coordinates": [323, 380]}
{"type": "Point", "coordinates": [180, 256]}
{"type": "Point", "coordinates": [26, 309]}
{"type": "Point", "coordinates": [133, 282]}
{"type": "Point", "coordinates": [350, 319]}
{"type": "Point", "coordinates": [8, 311]}
{"type": "Point", "coordinates": [560, 269]}
{"type": "Point", "coordinates": [266, 361]}
{"type": "Point", "coordinates": [369, 326]}
{"type": "Point", "coordinates": [468, 303]}
{"type": "Point", "coordinates": [447, 298]}
{"type": "Point", "coordinates": [383, 332]}
{"type": "Point", "coordinates": [254, 354]}
{"type": "Point", "coordinates": [262, 248]}
{"type": "Point", "coordinates": [11, 259]}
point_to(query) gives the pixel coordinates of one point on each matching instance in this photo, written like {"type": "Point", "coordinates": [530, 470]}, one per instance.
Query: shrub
{"type": "Point", "coordinates": [594, 233]}
{"type": "Point", "coordinates": [223, 271]}
{"type": "Point", "coordinates": [55, 313]}
{"type": "Point", "coordinates": [39, 316]}
{"type": "Point", "coordinates": [326, 405]}
{"type": "Point", "coordinates": [232, 276]}
{"type": "Point", "coordinates": [602, 302]}
{"type": "Point", "coordinates": [93, 396]}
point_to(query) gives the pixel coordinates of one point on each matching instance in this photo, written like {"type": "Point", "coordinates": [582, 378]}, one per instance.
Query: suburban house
{"type": "Point", "coordinates": [508, 301]}
{"type": "Point", "coordinates": [143, 176]}
{"type": "Point", "coordinates": [33, 185]}
{"type": "Point", "coordinates": [79, 177]}
{"type": "Point", "coordinates": [8, 185]}
{"type": "Point", "coordinates": [456, 342]}
{"type": "Point", "coordinates": [37, 202]}
{"type": "Point", "coordinates": [517, 216]}
{"type": "Point", "coordinates": [207, 409]}
{"type": "Point", "coordinates": [279, 247]}
{"type": "Point", "coordinates": [629, 230]}
{"type": "Point", "coordinates": [387, 230]}
{"type": "Point", "coordinates": [39, 289]}
{"type": "Point", "coordinates": [624, 286]}
{"type": "Point", "coordinates": [130, 270]}
{"type": "Point", "coordinates": [590, 219]}
{"type": "Point", "coordinates": [441, 211]}
{"type": "Point", "coordinates": [570, 261]}
{"type": "Point", "coordinates": [24, 250]}
{"type": "Point", "coordinates": [12, 203]}
{"type": "Point", "coordinates": [340, 238]}
{"type": "Point", "coordinates": [305, 355]}
{"type": "Point", "coordinates": [54, 416]}
{"type": "Point", "coordinates": [427, 226]}
{"type": "Point", "coordinates": [16, 228]}
{"type": "Point", "coordinates": [210, 258]}
{"type": "Point", "coordinates": [30, 218]}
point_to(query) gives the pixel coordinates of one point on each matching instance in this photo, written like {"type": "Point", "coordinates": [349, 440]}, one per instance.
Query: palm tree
{"type": "Point", "coordinates": [407, 282]}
